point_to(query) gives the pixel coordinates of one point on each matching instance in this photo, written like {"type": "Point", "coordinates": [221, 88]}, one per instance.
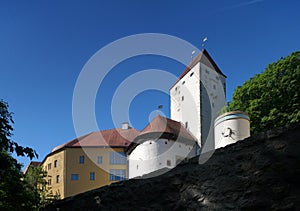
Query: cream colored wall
{"type": "Point", "coordinates": [56, 188]}
{"type": "Point", "coordinates": [90, 165]}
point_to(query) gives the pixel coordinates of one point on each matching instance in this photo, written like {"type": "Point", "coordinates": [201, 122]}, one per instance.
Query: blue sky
{"type": "Point", "coordinates": [45, 44]}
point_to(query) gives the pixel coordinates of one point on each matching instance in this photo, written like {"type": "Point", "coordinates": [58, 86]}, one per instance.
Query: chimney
{"type": "Point", "coordinates": [125, 126]}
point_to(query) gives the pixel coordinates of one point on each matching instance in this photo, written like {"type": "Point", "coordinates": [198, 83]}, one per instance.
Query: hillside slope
{"type": "Point", "coordinates": [260, 172]}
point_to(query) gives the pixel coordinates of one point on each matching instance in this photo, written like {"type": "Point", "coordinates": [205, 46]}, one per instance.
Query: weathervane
{"type": "Point", "coordinates": [158, 108]}
{"type": "Point", "coordinates": [203, 42]}
{"type": "Point", "coordinates": [202, 45]}
{"type": "Point", "coordinates": [193, 52]}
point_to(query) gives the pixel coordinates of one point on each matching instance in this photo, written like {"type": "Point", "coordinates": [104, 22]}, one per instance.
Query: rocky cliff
{"type": "Point", "coordinates": [260, 172]}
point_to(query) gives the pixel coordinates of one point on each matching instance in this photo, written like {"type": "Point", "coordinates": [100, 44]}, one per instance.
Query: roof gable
{"type": "Point", "coordinates": [204, 58]}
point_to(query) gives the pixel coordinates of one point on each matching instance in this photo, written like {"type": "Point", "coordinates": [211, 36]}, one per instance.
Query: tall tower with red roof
{"type": "Point", "coordinates": [197, 98]}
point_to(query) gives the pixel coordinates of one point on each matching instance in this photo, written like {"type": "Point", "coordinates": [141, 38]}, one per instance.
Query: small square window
{"type": "Point", "coordinates": [168, 163]}
{"type": "Point", "coordinates": [81, 159]}
{"type": "Point", "coordinates": [92, 175]}
{"type": "Point", "coordinates": [99, 159]}
{"type": "Point", "coordinates": [74, 176]}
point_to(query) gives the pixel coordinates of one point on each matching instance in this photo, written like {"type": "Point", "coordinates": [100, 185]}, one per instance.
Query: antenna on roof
{"type": "Point", "coordinates": [193, 53]}
{"type": "Point", "coordinates": [158, 108]}
{"type": "Point", "coordinates": [203, 42]}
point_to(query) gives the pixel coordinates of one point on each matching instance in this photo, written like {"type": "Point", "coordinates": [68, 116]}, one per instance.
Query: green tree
{"type": "Point", "coordinates": [272, 97]}
{"type": "Point", "coordinates": [15, 192]}
{"type": "Point", "coordinates": [6, 144]}
{"type": "Point", "coordinates": [36, 183]}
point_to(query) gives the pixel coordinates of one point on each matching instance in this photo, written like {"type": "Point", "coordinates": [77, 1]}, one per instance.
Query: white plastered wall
{"type": "Point", "coordinates": [152, 155]}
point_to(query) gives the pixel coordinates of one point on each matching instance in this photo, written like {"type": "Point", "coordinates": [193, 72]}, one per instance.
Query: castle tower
{"type": "Point", "coordinates": [162, 144]}
{"type": "Point", "coordinates": [197, 98]}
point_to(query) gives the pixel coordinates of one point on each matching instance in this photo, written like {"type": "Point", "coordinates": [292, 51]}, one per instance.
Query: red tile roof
{"type": "Point", "coordinates": [204, 58]}
{"type": "Point", "coordinates": [163, 127]}
{"type": "Point", "coordinates": [162, 124]}
{"type": "Point", "coordinates": [116, 137]}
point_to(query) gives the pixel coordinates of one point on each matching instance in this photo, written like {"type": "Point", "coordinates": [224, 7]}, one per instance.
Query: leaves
{"type": "Point", "coordinates": [6, 144]}
{"type": "Point", "coordinates": [272, 97]}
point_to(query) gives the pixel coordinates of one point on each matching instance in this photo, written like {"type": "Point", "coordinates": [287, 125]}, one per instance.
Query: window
{"type": "Point", "coordinates": [55, 163]}
{"type": "Point", "coordinates": [186, 124]}
{"type": "Point", "coordinates": [57, 179]}
{"type": "Point", "coordinates": [49, 181]}
{"type": "Point", "coordinates": [49, 166]}
{"type": "Point", "coordinates": [168, 163]}
{"type": "Point", "coordinates": [92, 175]}
{"type": "Point", "coordinates": [183, 82]}
{"type": "Point", "coordinates": [182, 98]}
{"type": "Point", "coordinates": [117, 158]}
{"type": "Point", "coordinates": [74, 176]}
{"type": "Point", "coordinates": [191, 74]}
{"type": "Point", "coordinates": [99, 159]}
{"type": "Point", "coordinates": [117, 174]}
{"type": "Point", "coordinates": [81, 159]}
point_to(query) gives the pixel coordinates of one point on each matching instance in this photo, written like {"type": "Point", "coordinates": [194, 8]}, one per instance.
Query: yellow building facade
{"type": "Point", "coordinates": [92, 161]}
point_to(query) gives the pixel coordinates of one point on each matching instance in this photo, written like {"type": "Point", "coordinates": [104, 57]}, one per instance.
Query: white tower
{"type": "Point", "coordinates": [197, 98]}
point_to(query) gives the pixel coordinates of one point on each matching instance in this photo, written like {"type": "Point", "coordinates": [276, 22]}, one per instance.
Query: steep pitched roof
{"type": "Point", "coordinates": [116, 137]}
{"type": "Point", "coordinates": [204, 58]}
{"type": "Point", "coordinates": [162, 127]}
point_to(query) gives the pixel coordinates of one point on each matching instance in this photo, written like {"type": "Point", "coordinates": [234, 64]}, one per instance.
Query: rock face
{"type": "Point", "coordinates": [260, 172]}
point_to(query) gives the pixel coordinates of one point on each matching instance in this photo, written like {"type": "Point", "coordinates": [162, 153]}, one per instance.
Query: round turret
{"type": "Point", "coordinates": [231, 127]}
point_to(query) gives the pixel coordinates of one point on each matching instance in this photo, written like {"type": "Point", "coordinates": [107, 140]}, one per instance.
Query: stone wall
{"type": "Point", "coordinates": [260, 172]}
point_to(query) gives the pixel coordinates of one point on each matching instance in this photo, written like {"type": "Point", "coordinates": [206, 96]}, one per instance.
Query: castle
{"type": "Point", "coordinates": [196, 99]}
{"type": "Point", "coordinates": [103, 157]}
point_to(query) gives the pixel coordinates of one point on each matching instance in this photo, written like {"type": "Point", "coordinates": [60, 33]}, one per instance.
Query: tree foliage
{"type": "Point", "coordinates": [272, 97]}
{"type": "Point", "coordinates": [6, 144]}
{"type": "Point", "coordinates": [35, 179]}
{"type": "Point", "coordinates": [16, 192]}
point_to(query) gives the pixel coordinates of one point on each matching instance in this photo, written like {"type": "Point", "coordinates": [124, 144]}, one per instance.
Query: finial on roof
{"type": "Point", "coordinates": [203, 42]}
{"type": "Point", "coordinates": [158, 109]}
{"type": "Point", "coordinates": [193, 53]}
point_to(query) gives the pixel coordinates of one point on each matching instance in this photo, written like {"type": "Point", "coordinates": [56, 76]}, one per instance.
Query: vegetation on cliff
{"type": "Point", "coordinates": [272, 97]}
